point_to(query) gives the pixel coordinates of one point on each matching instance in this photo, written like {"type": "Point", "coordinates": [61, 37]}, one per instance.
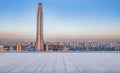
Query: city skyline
{"type": "Point", "coordinates": [76, 19]}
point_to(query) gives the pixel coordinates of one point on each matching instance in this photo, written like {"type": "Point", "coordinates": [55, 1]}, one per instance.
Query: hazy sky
{"type": "Point", "coordinates": [62, 19]}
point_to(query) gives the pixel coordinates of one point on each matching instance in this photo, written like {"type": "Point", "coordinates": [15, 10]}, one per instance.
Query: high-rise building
{"type": "Point", "coordinates": [39, 37]}
{"type": "Point", "coordinates": [2, 48]}
{"type": "Point", "coordinates": [20, 47]}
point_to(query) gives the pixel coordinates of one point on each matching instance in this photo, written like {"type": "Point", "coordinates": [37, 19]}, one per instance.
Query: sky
{"type": "Point", "coordinates": [62, 19]}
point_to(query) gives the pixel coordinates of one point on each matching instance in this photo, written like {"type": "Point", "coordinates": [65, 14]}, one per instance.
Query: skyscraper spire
{"type": "Point", "coordinates": [39, 36]}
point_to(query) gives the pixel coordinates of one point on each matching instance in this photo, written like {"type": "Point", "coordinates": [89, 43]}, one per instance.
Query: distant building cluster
{"type": "Point", "coordinates": [94, 46]}
{"type": "Point", "coordinates": [62, 46]}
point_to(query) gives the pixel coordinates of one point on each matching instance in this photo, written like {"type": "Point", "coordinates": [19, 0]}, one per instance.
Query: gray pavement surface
{"type": "Point", "coordinates": [59, 62]}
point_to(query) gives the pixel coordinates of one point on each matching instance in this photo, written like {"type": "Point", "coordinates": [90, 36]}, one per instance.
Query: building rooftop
{"type": "Point", "coordinates": [59, 62]}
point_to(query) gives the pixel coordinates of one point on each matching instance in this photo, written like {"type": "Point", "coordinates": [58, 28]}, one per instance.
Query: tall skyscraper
{"type": "Point", "coordinates": [39, 37]}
